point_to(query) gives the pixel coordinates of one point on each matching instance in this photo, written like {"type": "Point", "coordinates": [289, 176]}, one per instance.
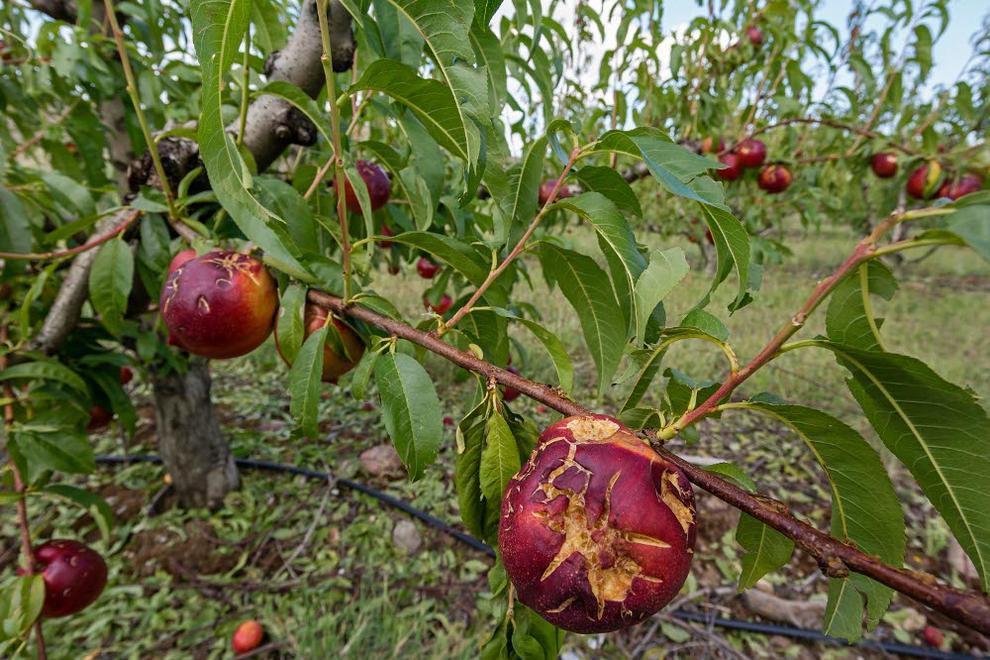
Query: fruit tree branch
{"type": "Point", "coordinates": [833, 123]}
{"type": "Point", "coordinates": [128, 216]}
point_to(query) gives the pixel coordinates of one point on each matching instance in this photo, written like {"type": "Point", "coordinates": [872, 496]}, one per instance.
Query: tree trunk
{"type": "Point", "coordinates": [189, 439]}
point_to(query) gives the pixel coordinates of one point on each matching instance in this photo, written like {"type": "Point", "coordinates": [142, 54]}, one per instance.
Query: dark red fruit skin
{"type": "Point", "coordinates": [247, 637]}
{"type": "Point", "coordinates": [99, 418]}
{"type": "Point", "coordinates": [751, 152]}
{"type": "Point", "coordinates": [386, 232]}
{"type": "Point", "coordinates": [426, 268]}
{"type": "Point", "coordinates": [920, 181]}
{"type": "Point", "coordinates": [969, 183]}
{"type": "Point", "coordinates": [378, 184]}
{"type": "Point", "coordinates": [709, 145]}
{"type": "Point", "coordinates": [774, 179]}
{"type": "Point", "coordinates": [884, 164]}
{"type": "Point", "coordinates": [74, 576]}
{"type": "Point", "coordinates": [334, 366]}
{"type": "Point", "coordinates": [734, 169]}
{"type": "Point", "coordinates": [448, 421]}
{"type": "Point", "coordinates": [933, 636]}
{"type": "Point", "coordinates": [441, 307]}
{"type": "Point", "coordinates": [181, 258]}
{"type": "Point", "coordinates": [220, 305]}
{"type": "Point", "coordinates": [511, 394]}
{"type": "Point", "coordinates": [709, 237]}
{"type": "Point", "coordinates": [755, 35]}
{"type": "Point", "coordinates": [546, 188]}
{"type": "Point", "coordinates": [613, 520]}
{"type": "Point", "coordinates": [126, 375]}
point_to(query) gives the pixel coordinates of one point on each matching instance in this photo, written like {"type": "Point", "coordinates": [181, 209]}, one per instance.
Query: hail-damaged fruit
{"type": "Point", "coordinates": [74, 576]}
{"type": "Point", "coordinates": [340, 355]}
{"type": "Point", "coordinates": [597, 529]}
{"type": "Point", "coordinates": [219, 305]}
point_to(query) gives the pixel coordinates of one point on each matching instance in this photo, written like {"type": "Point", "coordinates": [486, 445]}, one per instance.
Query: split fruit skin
{"type": "Point", "coordinates": [219, 305]}
{"type": "Point", "coordinates": [74, 576]}
{"type": "Point", "coordinates": [597, 530]}
{"type": "Point", "coordinates": [247, 637]}
{"type": "Point", "coordinates": [378, 184]}
{"type": "Point", "coordinates": [334, 365]}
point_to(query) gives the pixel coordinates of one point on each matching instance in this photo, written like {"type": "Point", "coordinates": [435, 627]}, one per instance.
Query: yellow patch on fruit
{"type": "Point", "coordinates": [675, 501]}
{"type": "Point", "coordinates": [592, 429]}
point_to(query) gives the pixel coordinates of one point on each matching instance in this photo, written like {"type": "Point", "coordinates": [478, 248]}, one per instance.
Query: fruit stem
{"type": "Point", "coordinates": [494, 273]}
{"type": "Point", "coordinates": [338, 154]}
{"type": "Point", "coordinates": [242, 119]}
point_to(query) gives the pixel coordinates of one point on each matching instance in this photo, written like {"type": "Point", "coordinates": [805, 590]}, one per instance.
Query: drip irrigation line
{"type": "Point", "coordinates": [806, 634]}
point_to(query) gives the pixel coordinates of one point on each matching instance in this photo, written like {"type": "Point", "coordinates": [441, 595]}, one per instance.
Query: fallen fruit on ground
{"type": "Point", "coordinates": [247, 637]}
{"type": "Point", "coordinates": [335, 364]}
{"type": "Point", "coordinates": [74, 576]}
{"type": "Point", "coordinates": [597, 530]}
{"type": "Point", "coordinates": [733, 169]}
{"type": "Point", "coordinates": [426, 268]}
{"type": "Point", "coordinates": [442, 305]}
{"type": "Point", "coordinates": [751, 152]}
{"type": "Point", "coordinates": [99, 418]}
{"type": "Point", "coordinates": [220, 305]}
{"type": "Point", "coordinates": [923, 181]}
{"type": "Point", "coordinates": [377, 181]}
{"type": "Point", "coordinates": [884, 164]}
{"type": "Point", "coordinates": [774, 179]}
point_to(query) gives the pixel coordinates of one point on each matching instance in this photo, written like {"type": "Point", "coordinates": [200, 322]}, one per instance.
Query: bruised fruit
{"type": "Point", "coordinates": [181, 258]}
{"type": "Point", "coordinates": [219, 305]}
{"type": "Point", "coordinates": [884, 164]}
{"type": "Point", "coordinates": [426, 268]}
{"type": "Point", "coordinates": [774, 179]}
{"type": "Point", "coordinates": [247, 637]}
{"type": "Point", "coordinates": [733, 169]}
{"type": "Point", "coordinates": [923, 181]}
{"type": "Point", "coordinates": [99, 418]}
{"type": "Point", "coordinates": [751, 152]}
{"type": "Point", "coordinates": [511, 393]}
{"type": "Point", "coordinates": [441, 307]}
{"type": "Point", "coordinates": [597, 530]}
{"type": "Point", "coordinates": [335, 364]}
{"type": "Point", "coordinates": [74, 576]}
{"type": "Point", "coordinates": [755, 35]}
{"type": "Point", "coordinates": [546, 189]}
{"type": "Point", "coordinates": [378, 184]}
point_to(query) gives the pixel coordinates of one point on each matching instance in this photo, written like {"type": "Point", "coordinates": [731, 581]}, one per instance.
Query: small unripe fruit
{"type": "Point", "coordinates": [99, 418]}
{"type": "Point", "coordinates": [441, 307]}
{"type": "Point", "coordinates": [247, 637]}
{"type": "Point", "coordinates": [733, 170]}
{"type": "Point", "coordinates": [597, 529]}
{"type": "Point", "coordinates": [334, 365]}
{"type": "Point", "coordinates": [180, 259]}
{"type": "Point", "coordinates": [546, 188]}
{"type": "Point", "coordinates": [126, 375]}
{"type": "Point", "coordinates": [712, 145]}
{"type": "Point", "coordinates": [426, 268]}
{"type": "Point", "coordinates": [74, 576]}
{"type": "Point", "coordinates": [923, 181]}
{"type": "Point", "coordinates": [219, 305]}
{"type": "Point", "coordinates": [774, 179]}
{"type": "Point", "coordinates": [933, 636]}
{"type": "Point", "coordinates": [755, 35]}
{"type": "Point", "coordinates": [386, 232]}
{"type": "Point", "coordinates": [511, 394]}
{"type": "Point", "coordinates": [378, 184]}
{"type": "Point", "coordinates": [751, 152]}
{"type": "Point", "coordinates": [884, 164]}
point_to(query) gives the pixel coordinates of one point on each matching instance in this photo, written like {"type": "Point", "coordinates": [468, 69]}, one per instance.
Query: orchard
{"type": "Point", "coordinates": [504, 330]}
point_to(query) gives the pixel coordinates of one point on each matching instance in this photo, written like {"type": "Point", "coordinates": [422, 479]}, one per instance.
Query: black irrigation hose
{"type": "Point", "coordinates": [481, 546]}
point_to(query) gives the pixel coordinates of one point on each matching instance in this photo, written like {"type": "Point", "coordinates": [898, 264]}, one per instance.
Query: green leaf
{"type": "Point", "coordinates": [15, 231]}
{"type": "Point", "coordinates": [488, 52]}
{"type": "Point", "coordinates": [586, 287]}
{"type": "Point", "coordinates": [450, 250]}
{"type": "Point", "coordinates": [518, 206]}
{"type": "Point", "coordinates": [218, 30]}
{"type": "Point", "coordinates": [411, 410]}
{"type": "Point", "coordinates": [290, 328]}
{"type": "Point", "coordinates": [63, 451]}
{"type": "Point", "coordinates": [92, 503]}
{"type": "Point", "coordinates": [500, 458]}
{"type": "Point", "coordinates": [298, 98]}
{"type": "Point", "coordinates": [766, 550]}
{"type": "Point", "coordinates": [937, 430]}
{"type": "Point", "coordinates": [21, 601]}
{"type": "Point", "coordinates": [731, 249]}
{"type": "Point", "coordinates": [608, 182]}
{"type": "Point", "coordinates": [665, 270]}
{"type": "Point", "coordinates": [553, 345]}
{"type": "Point", "coordinates": [848, 320]}
{"type": "Point", "coordinates": [45, 370]}
{"type": "Point", "coordinates": [735, 474]}
{"type": "Point", "coordinates": [474, 507]}
{"type": "Point", "coordinates": [305, 379]}
{"type": "Point", "coordinates": [972, 224]}
{"type": "Point", "coordinates": [110, 281]}
{"type": "Point", "coordinates": [865, 508]}
{"type": "Point", "coordinates": [361, 374]}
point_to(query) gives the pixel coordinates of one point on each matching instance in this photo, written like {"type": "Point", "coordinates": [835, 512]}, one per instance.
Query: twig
{"type": "Point", "coordinates": [117, 229]}
{"type": "Point", "coordinates": [833, 123]}
{"type": "Point", "coordinates": [40, 133]}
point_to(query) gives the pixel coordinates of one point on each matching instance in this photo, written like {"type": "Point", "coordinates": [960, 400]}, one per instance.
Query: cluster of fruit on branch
{"type": "Point", "coordinates": [748, 154]}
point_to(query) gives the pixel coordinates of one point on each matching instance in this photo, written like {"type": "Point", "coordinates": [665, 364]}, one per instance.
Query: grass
{"type": "Point", "coordinates": [317, 564]}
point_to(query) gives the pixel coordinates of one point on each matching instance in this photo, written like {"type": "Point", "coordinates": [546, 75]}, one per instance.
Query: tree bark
{"type": "Point", "coordinates": [191, 445]}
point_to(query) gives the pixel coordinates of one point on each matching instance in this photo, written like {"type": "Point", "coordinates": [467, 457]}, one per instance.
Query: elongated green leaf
{"type": "Point", "coordinates": [364, 200]}
{"type": "Point", "coordinates": [290, 329]}
{"type": "Point", "coordinates": [64, 451]}
{"type": "Point", "coordinates": [518, 206]}
{"type": "Point", "coordinates": [15, 231]}
{"type": "Point", "coordinates": [45, 370]}
{"type": "Point", "coordinates": [937, 430]}
{"type": "Point", "coordinates": [586, 287]}
{"type": "Point", "coordinates": [298, 98]}
{"type": "Point", "coordinates": [474, 507]}
{"type": "Point", "coordinates": [218, 29]}
{"type": "Point", "coordinates": [305, 378]}
{"type": "Point", "coordinates": [766, 550]}
{"type": "Point", "coordinates": [848, 320]}
{"type": "Point", "coordinates": [450, 250]}
{"type": "Point", "coordinates": [665, 270]}
{"type": "Point", "coordinates": [411, 410]}
{"type": "Point", "coordinates": [500, 458]}
{"type": "Point", "coordinates": [21, 601]}
{"type": "Point", "coordinates": [554, 347]}
{"type": "Point", "coordinates": [865, 508]}
{"type": "Point", "coordinates": [608, 182]}
{"type": "Point", "coordinates": [972, 223]}
{"type": "Point", "coordinates": [731, 248]}
{"type": "Point", "coordinates": [647, 365]}
{"type": "Point", "coordinates": [488, 52]}
{"type": "Point", "coordinates": [110, 281]}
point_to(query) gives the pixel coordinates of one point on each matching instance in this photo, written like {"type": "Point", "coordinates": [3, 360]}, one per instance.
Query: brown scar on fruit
{"type": "Point", "coordinates": [203, 303]}
{"type": "Point", "coordinates": [592, 429]}
{"type": "Point", "coordinates": [685, 515]}
{"type": "Point", "coordinates": [235, 263]}
{"type": "Point", "coordinates": [610, 572]}
{"type": "Point", "coordinates": [172, 286]}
